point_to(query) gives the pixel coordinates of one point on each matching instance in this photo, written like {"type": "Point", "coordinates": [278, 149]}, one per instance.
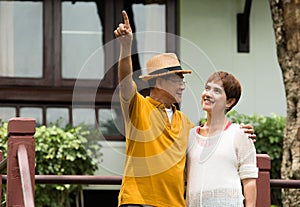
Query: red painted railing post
{"type": "Point", "coordinates": [263, 181]}
{"type": "Point", "coordinates": [20, 132]}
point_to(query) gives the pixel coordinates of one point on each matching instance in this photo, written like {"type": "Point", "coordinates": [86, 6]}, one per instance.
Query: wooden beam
{"type": "Point", "coordinates": [243, 37]}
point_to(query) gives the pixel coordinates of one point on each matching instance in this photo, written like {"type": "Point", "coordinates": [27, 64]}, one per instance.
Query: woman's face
{"type": "Point", "coordinates": [214, 98]}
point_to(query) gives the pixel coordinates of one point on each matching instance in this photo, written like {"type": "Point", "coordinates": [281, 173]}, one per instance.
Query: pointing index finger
{"type": "Point", "coordinates": [126, 19]}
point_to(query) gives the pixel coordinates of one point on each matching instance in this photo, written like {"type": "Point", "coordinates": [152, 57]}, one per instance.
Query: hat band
{"type": "Point", "coordinates": [164, 70]}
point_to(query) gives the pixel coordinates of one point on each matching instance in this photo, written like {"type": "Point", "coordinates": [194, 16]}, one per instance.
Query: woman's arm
{"type": "Point", "coordinates": [249, 188]}
{"type": "Point", "coordinates": [247, 167]}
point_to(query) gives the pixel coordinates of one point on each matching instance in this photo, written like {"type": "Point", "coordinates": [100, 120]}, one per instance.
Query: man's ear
{"type": "Point", "coordinates": [230, 102]}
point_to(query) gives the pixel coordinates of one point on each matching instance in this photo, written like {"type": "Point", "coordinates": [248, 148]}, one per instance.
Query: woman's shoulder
{"type": "Point", "coordinates": [239, 136]}
{"type": "Point", "coordinates": [235, 127]}
{"type": "Point", "coordinates": [192, 136]}
{"type": "Point", "coordinates": [237, 131]}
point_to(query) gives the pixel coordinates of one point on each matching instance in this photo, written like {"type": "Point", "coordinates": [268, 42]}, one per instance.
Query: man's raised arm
{"type": "Point", "coordinates": [124, 34]}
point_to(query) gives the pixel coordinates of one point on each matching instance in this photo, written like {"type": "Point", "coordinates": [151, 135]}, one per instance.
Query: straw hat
{"type": "Point", "coordinates": [163, 64]}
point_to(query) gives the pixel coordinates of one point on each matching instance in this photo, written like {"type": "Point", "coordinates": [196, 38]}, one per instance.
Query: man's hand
{"type": "Point", "coordinates": [124, 33]}
{"type": "Point", "coordinates": [249, 130]}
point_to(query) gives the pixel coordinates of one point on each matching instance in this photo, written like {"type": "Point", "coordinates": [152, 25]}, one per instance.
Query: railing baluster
{"type": "Point", "coordinates": [26, 181]}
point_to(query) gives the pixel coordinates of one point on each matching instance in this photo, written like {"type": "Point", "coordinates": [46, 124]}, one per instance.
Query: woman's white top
{"type": "Point", "coordinates": [216, 165]}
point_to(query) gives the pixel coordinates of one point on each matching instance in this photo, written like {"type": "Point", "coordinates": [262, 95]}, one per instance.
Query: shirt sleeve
{"type": "Point", "coordinates": [191, 139]}
{"type": "Point", "coordinates": [246, 155]}
{"type": "Point", "coordinates": [133, 94]}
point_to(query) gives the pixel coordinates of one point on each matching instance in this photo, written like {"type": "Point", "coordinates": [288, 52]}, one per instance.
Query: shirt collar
{"type": "Point", "coordinates": [158, 104]}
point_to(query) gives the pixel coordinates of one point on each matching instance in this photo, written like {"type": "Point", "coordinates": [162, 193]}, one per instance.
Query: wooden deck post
{"type": "Point", "coordinates": [263, 181]}
{"type": "Point", "coordinates": [20, 132]}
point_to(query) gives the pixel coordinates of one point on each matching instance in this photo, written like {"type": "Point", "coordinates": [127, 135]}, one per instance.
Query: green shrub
{"type": "Point", "coordinates": [3, 138]}
{"type": "Point", "coordinates": [60, 152]}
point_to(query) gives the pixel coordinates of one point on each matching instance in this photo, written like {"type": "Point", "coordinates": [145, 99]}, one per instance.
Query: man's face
{"type": "Point", "coordinates": [174, 85]}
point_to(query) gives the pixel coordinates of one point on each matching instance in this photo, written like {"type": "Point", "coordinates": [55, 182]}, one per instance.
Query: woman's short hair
{"type": "Point", "coordinates": [231, 85]}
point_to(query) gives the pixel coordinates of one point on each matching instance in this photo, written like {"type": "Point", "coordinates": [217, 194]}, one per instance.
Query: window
{"type": "Point", "coordinates": [21, 26]}
{"type": "Point", "coordinates": [150, 28]}
{"type": "Point", "coordinates": [82, 47]}
{"type": "Point", "coordinates": [110, 123]}
{"type": "Point", "coordinates": [32, 112]}
{"type": "Point", "coordinates": [84, 116]}
{"type": "Point", "coordinates": [7, 113]}
{"type": "Point", "coordinates": [57, 115]}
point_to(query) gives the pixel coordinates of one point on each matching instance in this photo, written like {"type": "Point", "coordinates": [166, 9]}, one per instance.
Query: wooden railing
{"type": "Point", "coordinates": [280, 183]}
{"type": "Point", "coordinates": [21, 176]}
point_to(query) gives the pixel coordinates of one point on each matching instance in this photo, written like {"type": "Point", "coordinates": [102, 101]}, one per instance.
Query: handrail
{"type": "Point", "coordinates": [78, 179]}
{"type": "Point", "coordinates": [280, 183]}
{"type": "Point", "coordinates": [116, 180]}
{"type": "Point", "coordinates": [75, 179]}
{"type": "Point", "coordinates": [27, 190]}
